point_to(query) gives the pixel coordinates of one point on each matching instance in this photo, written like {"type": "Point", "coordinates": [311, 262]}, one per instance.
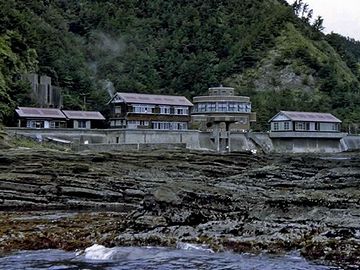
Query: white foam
{"type": "Point", "coordinates": [188, 246]}
{"type": "Point", "coordinates": [99, 252]}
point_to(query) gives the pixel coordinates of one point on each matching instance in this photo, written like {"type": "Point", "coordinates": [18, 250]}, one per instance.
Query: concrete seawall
{"type": "Point", "coordinates": [138, 139]}
{"type": "Point", "coordinates": [350, 143]}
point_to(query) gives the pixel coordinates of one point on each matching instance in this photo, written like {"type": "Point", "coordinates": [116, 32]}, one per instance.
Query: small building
{"type": "Point", "coordinates": [304, 122]}
{"type": "Point", "coordinates": [298, 132]}
{"type": "Point", "coordinates": [40, 118]}
{"type": "Point", "coordinates": [222, 105]}
{"type": "Point", "coordinates": [55, 118]}
{"type": "Point", "coordinates": [83, 119]}
{"type": "Point", "coordinates": [164, 112]}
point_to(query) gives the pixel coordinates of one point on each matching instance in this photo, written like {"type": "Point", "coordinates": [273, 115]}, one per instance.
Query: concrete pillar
{"type": "Point", "coordinates": [217, 136]}
{"type": "Point", "coordinates": [228, 136]}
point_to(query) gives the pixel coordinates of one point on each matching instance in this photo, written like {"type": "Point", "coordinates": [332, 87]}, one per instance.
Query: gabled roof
{"type": "Point", "coordinates": [83, 115]}
{"type": "Point", "coordinates": [40, 113]}
{"type": "Point", "coordinates": [308, 117]}
{"type": "Point", "coordinates": [151, 99]}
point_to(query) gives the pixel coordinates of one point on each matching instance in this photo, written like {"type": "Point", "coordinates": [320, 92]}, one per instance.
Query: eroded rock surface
{"type": "Point", "coordinates": [240, 202]}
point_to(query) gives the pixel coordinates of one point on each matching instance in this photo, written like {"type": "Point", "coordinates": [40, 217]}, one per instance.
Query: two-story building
{"type": "Point", "coordinates": [131, 110]}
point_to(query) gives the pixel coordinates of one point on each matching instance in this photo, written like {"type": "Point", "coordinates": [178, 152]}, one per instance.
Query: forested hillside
{"type": "Point", "coordinates": [260, 47]}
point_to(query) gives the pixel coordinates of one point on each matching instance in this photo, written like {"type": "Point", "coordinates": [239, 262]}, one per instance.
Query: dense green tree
{"type": "Point", "coordinates": [174, 47]}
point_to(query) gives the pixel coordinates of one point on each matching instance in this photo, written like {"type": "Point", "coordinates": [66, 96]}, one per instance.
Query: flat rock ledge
{"type": "Point", "coordinates": [239, 202]}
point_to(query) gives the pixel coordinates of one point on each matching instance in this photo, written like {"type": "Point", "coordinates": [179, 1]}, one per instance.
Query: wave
{"type": "Point", "coordinates": [100, 252]}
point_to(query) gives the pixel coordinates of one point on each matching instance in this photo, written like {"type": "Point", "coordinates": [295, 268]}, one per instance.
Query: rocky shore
{"type": "Point", "coordinates": [239, 201]}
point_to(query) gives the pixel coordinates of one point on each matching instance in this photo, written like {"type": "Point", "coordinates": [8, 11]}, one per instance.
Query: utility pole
{"type": "Point", "coordinates": [84, 100]}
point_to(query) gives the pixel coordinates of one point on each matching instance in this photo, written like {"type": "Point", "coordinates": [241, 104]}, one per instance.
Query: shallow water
{"type": "Point", "coordinates": [150, 258]}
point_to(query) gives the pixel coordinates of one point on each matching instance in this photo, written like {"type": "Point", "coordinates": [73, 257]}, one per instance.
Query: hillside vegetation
{"type": "Point", "coordinates": [177, 47]}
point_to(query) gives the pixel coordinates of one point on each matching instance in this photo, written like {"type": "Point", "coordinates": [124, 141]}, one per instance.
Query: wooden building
{"type": "Point", "coordinates": [287, 121]}
{"type": "Point", "coordinates": [83, 119]}
{"type": "Point", "coordinates": [55, 118]}
{"type": "Point", "coordinates": [131, 110]}
{"type": "Point", "coordinates": [40, 118]}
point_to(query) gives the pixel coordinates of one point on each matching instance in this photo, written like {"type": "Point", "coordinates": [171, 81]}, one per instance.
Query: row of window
{"type": "Point", "coordinates": [281, 126]}
{"type": "Point", "coordinates": [170, 125]}
{"type": "Point", "coordinates": [154, 125]}
{"type": "Point", "coordinates": [150, 109]}
{"type": "Point", "coordinates": [45, 124]}
{"type": "Point", "coordinates": [306, 126]}
{"type": "Point", "coordinates": [222, 107]}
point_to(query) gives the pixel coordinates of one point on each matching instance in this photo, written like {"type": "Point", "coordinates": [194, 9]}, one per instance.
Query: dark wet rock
{"type": "Point", "coordinates": [238, 201]}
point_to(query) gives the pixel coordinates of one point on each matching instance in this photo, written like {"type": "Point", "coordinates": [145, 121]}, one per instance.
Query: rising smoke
{"type": "Point", "coordinates": [103, 49]}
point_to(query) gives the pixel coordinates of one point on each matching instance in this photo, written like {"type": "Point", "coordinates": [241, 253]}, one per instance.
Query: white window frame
{"type": "Point", "coordinates": [143, 108]}
{"type": "Point", "coordinates": [286, 125]}
{"type": "Point", "coordinates": [276, 126]}
{"type": "Point", "coordinates": [164, 109]}
{"type": "Point", "coordinates": [222, 106]}
{"type": "Point", "coordinates": [181, 110]}
{"type": "Point", "coordinates": [300, 126]}
{"type": "Point", "coordinates": [81, 123]}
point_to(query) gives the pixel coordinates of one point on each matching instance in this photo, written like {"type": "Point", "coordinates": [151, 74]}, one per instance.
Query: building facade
{"type": "Point", "coordinates": [83, 119]}
{"type": "Point", "coordinates": [221, 105]}
{"type": "Point", "coordinates": [132, 111]}
{"type": "Point", "coordinates": [40, 118]}
{"type": "Point", "coordinates": [287, 121]}
{"type": "Point", "coordinates": [29, 117]}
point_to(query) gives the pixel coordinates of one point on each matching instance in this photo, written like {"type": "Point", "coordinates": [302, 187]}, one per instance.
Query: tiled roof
{"type": "Point", "coordinates": [83, 115]}
{"type": "Point", "coordinates": [311, 116]}
{"type": "Point", "coordinates": [154, 99]}
{"type": "Point", "coordinates": [40, 113]}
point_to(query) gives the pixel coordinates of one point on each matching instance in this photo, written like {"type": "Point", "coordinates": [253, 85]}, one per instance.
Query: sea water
{"type": "Point", "coordinates": [185, 256]}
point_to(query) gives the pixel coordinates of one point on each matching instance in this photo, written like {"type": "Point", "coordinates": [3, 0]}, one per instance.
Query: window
{"type": "Point", "coordinates": [117, 110]}
{"type": "Point", "coordinates": [335, 127]}
{"type": "Point", "coordinates": [222, 107]}
{"type": "Point", "coordinates": [183, 126]}
{"type": "Point", "coordinates": [35, 124]}
{"type": "Point", "coordinates": [202, 107]}
{"type": "Point", "coordinates": [164, 109]}
{"type": "Point", "coordinates": [233, 107]}
{"type": "Point", "coordinates": [276, 126]}
{"type": "Point", "coordinates": [242, 107]}
{"type": "Point", "coordinates": [57, 124]}
{"type": "Point", "coordinates": [211, 107]}
{"type": "Point", "coordinates": [169, 125]}
{"type": "Point", "coordinates": [299, 126]}
{"type": "Point", "coordinates": [81, 124]}
{"type": "Point", "coordinates": [141, 108]}
{"type": "Point", "coordinates": [286, 125]}
{"type": "Point", "coordinates": [248, 107]}
{"type": "Point", "coordinates": [181, 110]}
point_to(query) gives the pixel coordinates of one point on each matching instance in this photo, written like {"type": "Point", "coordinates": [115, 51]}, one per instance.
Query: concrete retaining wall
{"type": "Point", "coordinates": [350, 142]}
{"type": "Point", "coordinates": [303, 145]}
{"type": "Point", "coordinates": [128, 147]}
{"type": "Point", "coordinates": [117, 139]}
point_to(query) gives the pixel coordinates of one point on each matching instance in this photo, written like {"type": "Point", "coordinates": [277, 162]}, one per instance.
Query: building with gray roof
{"type": "Point", "coordinates": [55, 118]}
{"type": "Point", "coordinates": [164, 112]}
